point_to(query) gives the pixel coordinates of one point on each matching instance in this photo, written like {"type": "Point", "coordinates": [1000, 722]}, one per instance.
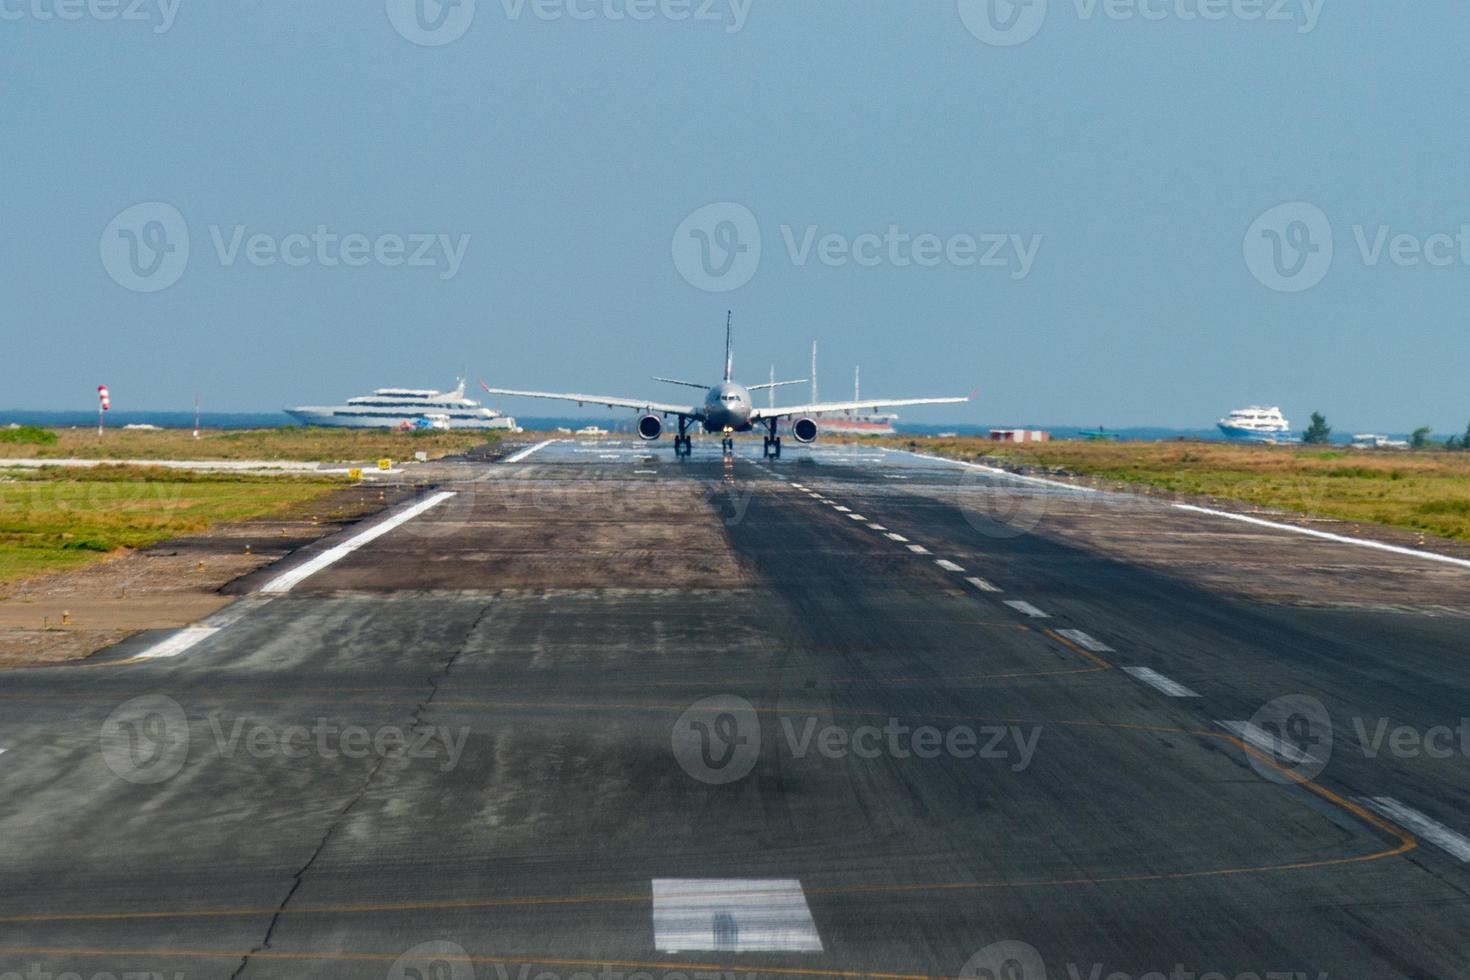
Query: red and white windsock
{"type": "Point", "coordinates": [104, 397]}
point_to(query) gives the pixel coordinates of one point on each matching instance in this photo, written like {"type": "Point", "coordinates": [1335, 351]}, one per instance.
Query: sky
{"type": "Point", "coordinates": [1099, 212]}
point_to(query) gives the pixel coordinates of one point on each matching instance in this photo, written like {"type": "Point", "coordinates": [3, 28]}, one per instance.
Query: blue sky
{"type": "Point", "coordinates": [1069, 223]}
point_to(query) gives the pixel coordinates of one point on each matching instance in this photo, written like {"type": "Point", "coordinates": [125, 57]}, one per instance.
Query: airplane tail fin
{"type": "Point", "coordinates": [729, 350]}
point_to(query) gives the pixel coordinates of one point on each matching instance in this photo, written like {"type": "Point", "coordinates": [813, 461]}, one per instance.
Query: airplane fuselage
{"type": "Point", "coordinates": [727, 407]}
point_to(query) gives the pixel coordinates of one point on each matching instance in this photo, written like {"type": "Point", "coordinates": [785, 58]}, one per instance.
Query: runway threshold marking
{"type": "Point", "coordinates": [1159, 682]}
{"type": "Point", "coordinates": [287, 581]}
{"type": "Point", "coordinates": [732, 915]}
{"type": "Point", "coordinates": [1326, 535]}
{"type": "Point", "coordinates": [1455, 844]}
{"type": "Point", "coordinates": [524, 453]}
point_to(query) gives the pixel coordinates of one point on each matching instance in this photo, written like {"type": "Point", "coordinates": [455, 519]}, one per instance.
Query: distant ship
{"type": "Point", "coordinates": [1256, 424]}
{"type": "Point", "coordinates": [405, 408]}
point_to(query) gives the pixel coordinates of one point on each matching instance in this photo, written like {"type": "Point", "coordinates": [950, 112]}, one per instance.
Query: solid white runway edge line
{"type": "Point", "coordinates": [1327, 535]}
{"type": "Point", "coordinates": [732, 915]}
{"type": "Point", "coordinates": [528, 451]}
{"type": "Point", "coordinates": [1457, 845]}
{"type": "Point", "coordinates": [1159, 682]}
{"type": "Point", "coordinates": [179, 643]}
{"type": "Point", "coordinates": [287, 581]}
{"type": "Point", "coordinates": [998, 472]}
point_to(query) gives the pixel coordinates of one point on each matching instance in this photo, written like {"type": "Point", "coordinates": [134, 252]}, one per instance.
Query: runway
{"type": "Point", "coordinates": [850, 713]}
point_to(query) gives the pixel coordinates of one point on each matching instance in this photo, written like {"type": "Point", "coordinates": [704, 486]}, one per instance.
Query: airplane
{"type": "Point", "coordinates": [727, 409]}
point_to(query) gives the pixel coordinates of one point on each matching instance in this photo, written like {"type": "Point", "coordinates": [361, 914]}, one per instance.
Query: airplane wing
{"type": "Point", "coordinates": [862, 406]}
{"type": "Point", "coordinates": [611, 402]}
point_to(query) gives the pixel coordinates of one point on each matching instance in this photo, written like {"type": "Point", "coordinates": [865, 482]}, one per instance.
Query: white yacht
{"type": "Point", "coordinates": [405, 408]}
{"type": "Point", "coordinates": [1256, 424]}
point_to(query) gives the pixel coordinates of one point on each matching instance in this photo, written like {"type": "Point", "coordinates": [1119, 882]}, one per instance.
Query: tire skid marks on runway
{"type": "Point", "coordinates": [1455, 844]}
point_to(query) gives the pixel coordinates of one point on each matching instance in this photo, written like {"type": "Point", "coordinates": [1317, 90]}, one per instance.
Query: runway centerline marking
{"type": "Point", "coordinates": [856, 517]}
{"type": "Point", "coordinates": [1159, 682]}
{"type": "Point", "coordinates": [529, 451]}
{"type": "Point", "coordinates": [287, 581]}
{"type": "Point", "coordinates": [877, 527]}
{"type": "Point", "coordinates": [983, 585]}
{"type": "Point", "coordinates": [948, 565]}
{"type": "Point", "coordinates": [897, 537]}
{"type": "Point", "coordinates": [918, 549]}
{"type": "Point", "coordinates": [1455, 844]}
{"type": "Point", "coordinates": [1021, 606]}
{"type": "Point", "coordinates": [732, 915]}
{"type": "Point", "coordinates": [1260, 739]}
{"type": "Point", "coordinates": [1090, 642]}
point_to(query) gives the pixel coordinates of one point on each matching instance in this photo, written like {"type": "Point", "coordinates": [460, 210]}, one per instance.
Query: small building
{"type": "Point", "coordinates": [1019, 435]}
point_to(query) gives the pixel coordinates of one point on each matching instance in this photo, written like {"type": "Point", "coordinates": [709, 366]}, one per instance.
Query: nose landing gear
{"type": "Point", "coordinates": [683, 445]}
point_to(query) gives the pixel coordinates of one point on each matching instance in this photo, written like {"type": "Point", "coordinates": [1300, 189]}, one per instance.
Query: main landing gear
{"type": "Point", "coordinates": [683, 445]}
{"type": "Point", "coordinates": [772, 448]}
{"type": "Point", "coordinates": [727, 444]}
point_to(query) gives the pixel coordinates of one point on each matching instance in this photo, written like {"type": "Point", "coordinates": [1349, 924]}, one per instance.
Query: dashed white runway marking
{"type": "Point", "coordinates": [527, 452]}
{"type": "Point", "coordinates": [983, 585]}
{"type": "Point", "coordinates": [1083, 639]}
{"type": "Point", "coordinates": [877, 527]}
{"type": "Point", "coordinates": [732, 915]}
{"type": "Point", "coordinates": [856, 517]}
{"type": "Point", "coordinates": [287, 581]}
{"type": "Point", "coordinates": [918, 549]}
{"type": "Point", "coordinates": [1457, 845]}
{"type": "Point", "coordinates": [1268, 743]}
{"type": "Point", "coordinates": [1159, 682]}
{"type": "Point", "coordinates": [179, 643]}
{"type": "Point", "coordinates": [842, 510]}
{"type": "Point", "coordinates": [1327, 535]}
{"type": "Point", "coordinates": [948, 565]}
{"type": "Point", "coordinates": [896, 537]}
{"type": "Point", "coordinates": [1026, 608]}
{"type": "Point", "coordinates": [645, 472]}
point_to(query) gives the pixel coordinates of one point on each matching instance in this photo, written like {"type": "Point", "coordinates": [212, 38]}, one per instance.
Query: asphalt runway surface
{"type": "Point", "coordinates": [600, 714]}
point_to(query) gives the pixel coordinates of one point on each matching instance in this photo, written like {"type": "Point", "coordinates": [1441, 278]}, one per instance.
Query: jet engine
{"type": "Point", "coordinates": [650, 427]}
{"type": "Point", "coordinates": [804, 430]}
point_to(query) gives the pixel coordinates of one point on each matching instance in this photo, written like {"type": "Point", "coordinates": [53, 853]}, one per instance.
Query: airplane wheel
{"type": "Point", "coordinates": [776, 447]}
